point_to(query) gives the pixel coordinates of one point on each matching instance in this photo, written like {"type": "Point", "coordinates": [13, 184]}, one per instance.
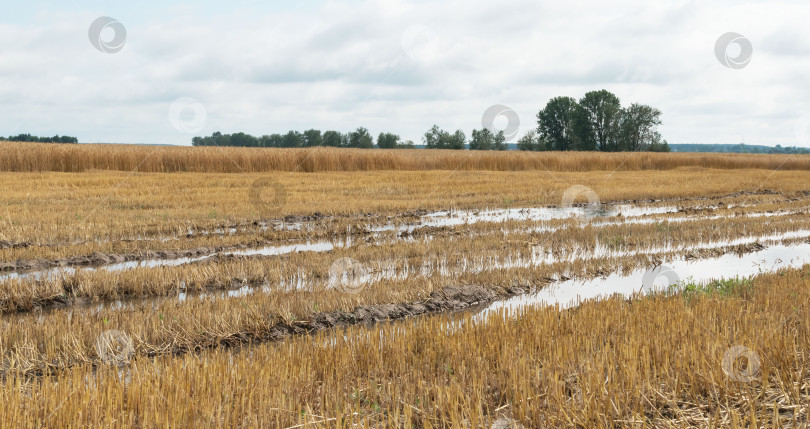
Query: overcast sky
{"type": "Point", "coordinates": [400, 66]}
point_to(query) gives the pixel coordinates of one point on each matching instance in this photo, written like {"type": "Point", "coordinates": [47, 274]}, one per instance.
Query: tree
{"type": "Point", "coordinates": [334, 139]}
{"type": "Point", "coordinates": [360, 138]}
{"type": "Point", "coordinates": [313, 138]}
{"type": "Point", "coordinates": [555, 123]}
{"type": "Point", "coordinates": [407, 144]}
{"type": "Point", "coordinates": [293, 139]}
{"type": "Point", "coordinates": [499, 142]}
{"type": "Point", "coordinates": [657, 144]}
{"type": "Point", "coordinates": [531, 141]}
{"type": "Point", "coordinates": [456, 141]}
{"type": "Point", "coordinates": [601, 111]}
{"type": "Point", "coordinates": [34, 139]}
{"type": "Point", "coordinates": [482, 139]}
{"type": "Point", "coordinates": [433, 138]}
{"type": "Point", "coordinates": [244, 140]}
{"type": "Point", "coordinates": [387, 141]}
{"type": "Point", "coordinates": [638, 127]}
{"type": "Point", "coordinates": [436, 138]}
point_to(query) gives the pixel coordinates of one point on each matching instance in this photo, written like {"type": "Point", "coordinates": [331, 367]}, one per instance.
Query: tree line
{"type": "Point", "coordinates": [739, 148]}
{"type": "Point", "coordinates": [359, 138]}
{"type": "Point", "coordinates": [596, 122]}
{"type": "Point", "coordinates": [34, 139]}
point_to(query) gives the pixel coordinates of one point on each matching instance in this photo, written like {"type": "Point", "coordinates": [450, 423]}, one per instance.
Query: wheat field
{"type": "Point", "coordinates": [41, 157]}
{"type": "Point", "coordinates": [213, 287]}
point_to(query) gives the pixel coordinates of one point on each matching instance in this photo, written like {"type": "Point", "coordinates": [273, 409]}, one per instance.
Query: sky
{"type": "Point", "coordinates": [163, 72]}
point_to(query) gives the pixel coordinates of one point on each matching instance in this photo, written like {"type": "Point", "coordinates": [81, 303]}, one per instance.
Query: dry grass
{"type": "Point", "coordinates": [100, 210]}
{"type": "Point", "coordinates": [63, 338]}
{"type": "Point", "coordinates": [651, 362]}
{"type": "Point", "coordinates": [654, 362]}
{"type": "Point", "coordinates": [485, 244]}
{"type": "Point", "coordinates": [41, 157]}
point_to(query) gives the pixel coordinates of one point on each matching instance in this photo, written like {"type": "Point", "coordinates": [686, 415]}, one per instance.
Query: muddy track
{"type": "Point", "coordinates": [66, 299]}
{"type": "Point", "coordinates": [411, 214]}
{"type": "Point", "coordinates": [100, 259]}
{"type": "Point", "coordinates": [449, 299]}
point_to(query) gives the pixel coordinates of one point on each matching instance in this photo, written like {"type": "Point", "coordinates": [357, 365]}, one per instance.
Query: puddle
{"type": "Point", "coordinates": [321, 246]}
{"type": "Point", "coordinates": [394, 270]}
{"type": "Point", "coordinates": [610, 215]}
{"type": "Point", "coordinates": [572, 292]}
{"type": "Point", "coordinates": [466, 217]}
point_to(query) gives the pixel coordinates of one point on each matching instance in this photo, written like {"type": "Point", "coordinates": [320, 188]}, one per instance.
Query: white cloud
{"type": "Point", "coordinates": [344, 64]}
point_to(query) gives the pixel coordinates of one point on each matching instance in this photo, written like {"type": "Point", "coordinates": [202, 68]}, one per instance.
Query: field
{"type": "Point", "coordinates": [402, 288]}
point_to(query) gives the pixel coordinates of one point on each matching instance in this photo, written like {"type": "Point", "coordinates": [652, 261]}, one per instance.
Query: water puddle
{"type": "Point", "coordinates": [570, 293]}
{"type": "Point", "coordinates": [320, 246]}
{"type": "Point", "coordinates": [466, 217]}
{"type": "Point", "coordinates": [601, 217]}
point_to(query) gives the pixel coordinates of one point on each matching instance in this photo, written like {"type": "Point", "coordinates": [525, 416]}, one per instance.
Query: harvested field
{"type": "Point", "coordinates": [389, 288]}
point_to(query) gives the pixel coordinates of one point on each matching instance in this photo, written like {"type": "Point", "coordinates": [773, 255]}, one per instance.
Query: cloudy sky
{"type": "Point", "coordinates": [192, 68]}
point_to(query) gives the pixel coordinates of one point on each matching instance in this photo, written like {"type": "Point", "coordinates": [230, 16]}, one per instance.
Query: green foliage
{"type": "Point", "coordinates": [482, 140]}
{"type": "Point", "coordinates": [313, 138]}
{"type": "Point", "coordinates": [334, 139]}
{"type": "Point", "coordinates": [34, 139]}
{"type": "Point", "coordinates": [387, 141]}
{"type": "Point", "coordinates": [499, 142]}
{"type": "Point", "coordinates": [555, 122]}
{"type": "Point", "coordinates": [731, 287]}
{"type": "Point", "coordinates": [598, 122]}
{"type": "Point", "coordinates": [436, 138]}
{"type": "Point", "coordinates": [599, 116]}
{"type": "Point", "coordinates": [360, 138]}
{"type": "Point", "coordinates": [293, 139]}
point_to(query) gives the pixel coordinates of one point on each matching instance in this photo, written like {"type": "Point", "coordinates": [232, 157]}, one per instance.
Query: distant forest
{"type": "Point", "coordinates": [29, 138]}
{"type": "Point", "coordinates": [737, 148]}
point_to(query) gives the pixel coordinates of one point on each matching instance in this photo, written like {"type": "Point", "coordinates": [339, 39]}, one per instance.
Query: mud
{"type": "Point", "coordinates": [100, 259]}
{"type": "Point", "coordinates": [414, 215]}
{"type": "Point", "coordinates": [449, 299]}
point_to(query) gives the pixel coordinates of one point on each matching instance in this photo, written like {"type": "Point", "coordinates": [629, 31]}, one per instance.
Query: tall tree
{"type": "Point", "coordinates": [313, 138]}
{"type": "Point", "coordinates": [555, 123]}
{"type": "Point", "coordinates": [293, 139]}
{"type": "Point", "coordinates": [457, 140]}
{"type": "Point", "coordinates": [333, 138]}
{"type": "Point", "coordinates": [387, 141]}
{"type": "Point", "coordinates": [360, 138]}
{"type": "Point", "coordinates": [638, 126]}
{"type": "Point", "coordinates": [481, 139]}
{"type": "Point", "coordinates": [435, 138]}
{"type": "Point", "coordinates": [531, 141]}
{"type": "Point", "coordinates": [602, 111]}
{"type": "Point", "coordinates": [499, 142]}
